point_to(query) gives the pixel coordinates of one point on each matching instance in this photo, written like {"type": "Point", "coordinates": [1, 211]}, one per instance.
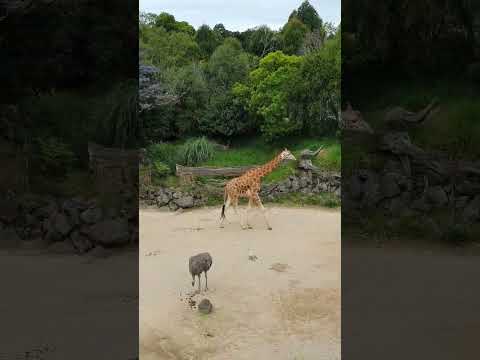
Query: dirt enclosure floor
{"type": "Point", "coordinates": [275, 294]}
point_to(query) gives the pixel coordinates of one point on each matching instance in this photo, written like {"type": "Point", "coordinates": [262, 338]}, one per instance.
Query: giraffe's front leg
{"type": "Point", "coordinates": [264, 211]}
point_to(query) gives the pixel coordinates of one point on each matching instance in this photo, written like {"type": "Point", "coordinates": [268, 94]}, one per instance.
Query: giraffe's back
{"type": "Point", "coordinates": [243, 185]}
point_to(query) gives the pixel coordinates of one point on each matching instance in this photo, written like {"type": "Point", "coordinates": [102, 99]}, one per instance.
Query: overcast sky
{"type": "Point", "coordinates": [239, 15]}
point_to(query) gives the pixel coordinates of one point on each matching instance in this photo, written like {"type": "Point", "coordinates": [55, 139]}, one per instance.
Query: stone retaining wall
{"type": "Point", "coordinates": [64, 225]}
{"type": "Point", "coordinates": [306, 182]}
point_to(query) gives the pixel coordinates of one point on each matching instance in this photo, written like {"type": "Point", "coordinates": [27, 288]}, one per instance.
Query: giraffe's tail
{"type": "Point", "coordinates": [222, 216]}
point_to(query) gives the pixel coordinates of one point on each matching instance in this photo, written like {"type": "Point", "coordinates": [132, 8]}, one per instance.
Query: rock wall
{"type": "Point", "coordinates": [306, 182]}
{"type": "Point", "coordinates": [64, 225]}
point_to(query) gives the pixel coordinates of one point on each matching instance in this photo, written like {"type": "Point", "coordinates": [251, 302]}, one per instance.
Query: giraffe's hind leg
{"type": "Point", "coordinates": [258, 202]}
{"type": "Point", "coordinates": [227, 204]}
{"type": "Point", "coordinates": [249, 207]}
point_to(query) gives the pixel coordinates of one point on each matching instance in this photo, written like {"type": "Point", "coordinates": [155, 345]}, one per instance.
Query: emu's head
{"type": "Point", "coordinates": [287, 155]}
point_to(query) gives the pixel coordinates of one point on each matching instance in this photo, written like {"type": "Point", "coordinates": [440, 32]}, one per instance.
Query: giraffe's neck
{"type": "Point", "coordinates": [270, 166]}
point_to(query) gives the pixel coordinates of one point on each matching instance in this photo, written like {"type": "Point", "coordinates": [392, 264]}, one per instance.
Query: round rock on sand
{"type": "Point", "coordinates": [205, 306]}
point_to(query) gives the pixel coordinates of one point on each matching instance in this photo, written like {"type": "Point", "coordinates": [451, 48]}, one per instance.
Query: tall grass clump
{"type": "Point", "coordinates": [196, 150]}
{"type": "Point", "coordinates": [165, 153]}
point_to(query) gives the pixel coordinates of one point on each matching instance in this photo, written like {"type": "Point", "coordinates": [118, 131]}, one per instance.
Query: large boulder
{"type": "Point", "coordinates": [185, 201]}
{"type": "Point", "coordinates": [92, 215]}
{"type": "Point", "coordinates": [162, 199]}
{"type": "Point", "coordinates": [9, 238]}
{"type": "Point", "coordinates": [9, 210]}
{"type": "Point", "coordinates": [436, 196]}
{"type": "Point", "coordinates": [472, 212]}
{"type": "Point", "coordinates": [81, 242]}
{"type": "Point", "coordinates": [389, 185]}
{"type": "Point", "coordinates": [61, 224]}
{"type": "Point", "coordinates": [110, 232]}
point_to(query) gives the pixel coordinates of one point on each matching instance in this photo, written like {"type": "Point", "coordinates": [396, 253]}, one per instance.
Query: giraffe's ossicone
{"type": "Point", "coordinates": [248, 186]}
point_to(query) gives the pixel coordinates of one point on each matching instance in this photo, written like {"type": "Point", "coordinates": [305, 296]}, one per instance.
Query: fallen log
{"type": "Point", "coordinates": [211, 171]}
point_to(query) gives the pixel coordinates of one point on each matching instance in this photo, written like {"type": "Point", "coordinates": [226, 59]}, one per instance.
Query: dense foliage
{"type": "Point", "coordinates": [273, 83]}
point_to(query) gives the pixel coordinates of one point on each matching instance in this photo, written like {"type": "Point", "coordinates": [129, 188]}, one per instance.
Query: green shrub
{"type": "Point", "coordinates": [160, 169]}
{"type": "Point", "coordinates": [196, 150]}
{"type": "Point", "coordinates": [166, 153]}
{"type": "Point", "coordinates": [56, 158]}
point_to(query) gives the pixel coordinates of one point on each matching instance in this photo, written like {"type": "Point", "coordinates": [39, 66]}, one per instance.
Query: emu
{"type": "Point", "coordinates": [198, 264]}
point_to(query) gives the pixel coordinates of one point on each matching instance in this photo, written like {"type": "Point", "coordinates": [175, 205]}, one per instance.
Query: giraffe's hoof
{"type": "Point", "coordinates": [269, 228]}
{"type": "Point", "coordinates": [249, 227]}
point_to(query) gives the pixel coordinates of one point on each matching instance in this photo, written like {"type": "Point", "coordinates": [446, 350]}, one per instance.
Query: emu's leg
{"type": "Point", "coordinates": [199, 287]}
{"type": "Point", "coordinates": [206, 281]}
{"type": "Point", "coordinates": [193, 280]}
{"type": "Point", "coordinates": [259, 203]}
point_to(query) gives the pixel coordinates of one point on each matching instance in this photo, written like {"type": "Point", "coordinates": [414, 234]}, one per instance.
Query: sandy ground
{"type": "Point", "coordinates": [57, 307]}
{"type": "Point", "coordinates": [409, 303]}
{"type": "Point", "coordinates": [284, 305]}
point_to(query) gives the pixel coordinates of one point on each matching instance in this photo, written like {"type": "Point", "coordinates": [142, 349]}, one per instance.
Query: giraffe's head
{"type": "Point", "coordinates": [287, 155]}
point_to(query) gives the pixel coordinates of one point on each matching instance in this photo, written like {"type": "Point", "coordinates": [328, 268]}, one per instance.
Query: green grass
{"type": "Point", "coordinates": [453, 129]}
{"type": "Point", "coordinates": [256, 152]}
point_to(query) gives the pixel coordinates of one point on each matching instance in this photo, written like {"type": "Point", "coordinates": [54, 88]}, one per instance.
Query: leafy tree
{"type": "Point", "coordinates": [293, 36]}
{"type": "Point", "coordinates": [207, 40]}
{"type": "Point", "coordinates": [185, 27]}
{"type": "Point", "coordinates": [220, 30]}
{"type": "Point", "coordinates": [309, 16]}
{"type": "Point", "coordinates": [191, 87]}
{"type": "Point", "coordinates": [228, 64]}
{"type": "Point", "coordinates": [266, 92]}
{"type": "Point", "coordinates": [263, 40]}
{"type": "Point", "coordinates": [166, 49]}
{"type": "Point", "coordinates": [225, 116]}
{"type": "Point", "coordinates": [314, 94]}
{"type": "Point", "coordinates": [167, 21]}
{"type": "Point", "coordinates": [147, 19]}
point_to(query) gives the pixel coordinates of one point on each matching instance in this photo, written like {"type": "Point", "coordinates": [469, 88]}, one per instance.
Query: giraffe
{"type": "Point", "coordinates": [248, 186]}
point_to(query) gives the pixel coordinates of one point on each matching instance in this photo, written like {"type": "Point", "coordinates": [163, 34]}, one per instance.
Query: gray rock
{"type": "Point", "coordinates": [110, 232]}
{"type": "Point", "coordinates": [185, 202]}
{"type": "Point", "coordinates": [52, 235]}
{"type": "Point", "coordinates": [162, 199]}
{"type": "Point", "coordinates": [30, 220]}
{"type": "Point", "coordinates": [36, 243]}
{"type": "Point", "coordinates": [61, 247]}
{"type": "Point", "coordinates": [389, 185]}
{"type": "Point", "coordinates": [9, 210]}
{"type": "Point", "coordinates": [205, 306]}
{"type": "Point", "coordinates": [91, 215]}
{"type": "Point", "coordinates": [81, 242]}
{"type": "Point", "coordinates": [9, 238]}
{"type": "Point", "coordinates": [471, 213]}
{"type": "Point", "coordinates": [46, 211]}
{"type": "Point", "coordinates": [303, 182]}
{"type": "Point", "coordinates": [61, 224]}
{"type": "Point", "coordinates": [99, 252]}
{"type": "Point", "coordinates": [421, 205]}
{"type": "Point", "coordinates": [338, 192]}
{"type": "Point", "coordinates": [295, 185]}
{"type": "Point", "coordinates": [461, 202]}
{"type": "Point", "coordinates": [173, 206]}
{"type": "Point", "coordinates": [436, 196]}
{"type": "Point", "coordinates": [468, 188]}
